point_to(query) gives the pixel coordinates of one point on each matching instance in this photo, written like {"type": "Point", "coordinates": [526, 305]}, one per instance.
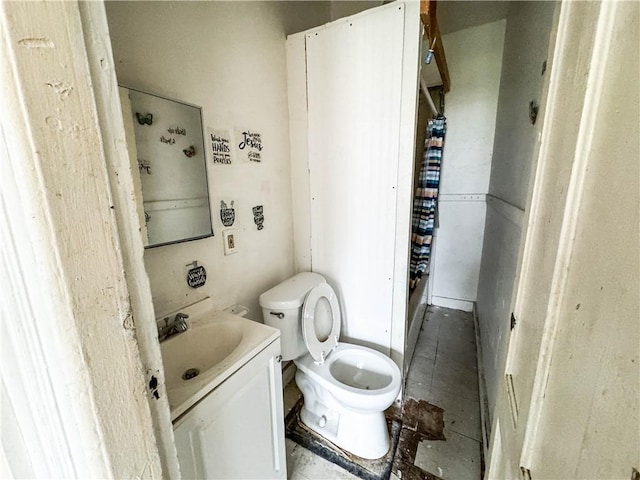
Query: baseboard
{"type": "Point", "coordinates": [454, 303]}
{"type": "Point", "coordinates": [416, 313]}
{"type": "Point", "coordinates": [485, 413]}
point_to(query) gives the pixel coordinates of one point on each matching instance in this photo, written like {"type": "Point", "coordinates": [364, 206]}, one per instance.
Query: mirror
{"type": "Point", "coordinates": [171, 187]}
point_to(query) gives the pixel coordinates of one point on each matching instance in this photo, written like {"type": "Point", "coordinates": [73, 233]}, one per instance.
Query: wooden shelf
{"type": "Point", "coordinates": [432, 31]}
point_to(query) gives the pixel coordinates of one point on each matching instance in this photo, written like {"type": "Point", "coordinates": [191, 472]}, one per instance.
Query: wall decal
{"type": "Point", "coordinates": [144, 165]}
{"type": "Point", "coordinates": [258, 216]}
{"type": "Point", "coordinates": [168, 141]}
{"type": "Point", "coordinates": [249, 144]}
{"type": "Point", "coordinates": [189, 152]}
{"type": "Point", "coordinates": [144, 119]}
{"type": "Point", "coordinates": [227, 214]}
{"type": "Point", "coordinates": [196, 276]}
{"type": "Point", "coordinates": [177, 130]}
{"type": "Point", "coordinates": [220, 146]}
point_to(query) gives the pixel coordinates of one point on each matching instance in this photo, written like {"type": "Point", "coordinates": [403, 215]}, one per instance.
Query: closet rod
{"type": "Point", "coordinates": [425, 90]}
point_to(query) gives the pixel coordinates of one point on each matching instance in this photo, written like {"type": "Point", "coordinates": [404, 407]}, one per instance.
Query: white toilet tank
{"type": "Point", "coordinates": [282, 309]}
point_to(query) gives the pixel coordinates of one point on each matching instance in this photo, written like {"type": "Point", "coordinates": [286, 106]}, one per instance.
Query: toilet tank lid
{"type": "Point", "coordinates": [291, 293]}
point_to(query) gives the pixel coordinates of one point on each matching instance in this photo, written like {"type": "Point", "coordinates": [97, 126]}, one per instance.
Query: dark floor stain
{"type": "Point", "coordinates": [420, 421]}
{"type": "Point", "coordinates": [410, 424]}
{"type": "Point", "coordinates": [416, 473]}
{"type": "Point", "coordinates": [394, 412]}
{"type": "Point", "coordinates": [423, 417]}
{"type": "Point", "coordinates": [403, 462]}
{"type": "Point", "coordinates": [406, 451]}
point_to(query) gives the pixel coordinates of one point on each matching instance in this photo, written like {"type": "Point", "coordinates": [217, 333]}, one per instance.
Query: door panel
{"type": "Point", "coordinates": [569, 407]}
{"type": "Point", "coordinates": [354, 82]}
{"type": "Point", "coordinates": [237, 431]}
{"type": "Point", "coordinates": [536, 287]}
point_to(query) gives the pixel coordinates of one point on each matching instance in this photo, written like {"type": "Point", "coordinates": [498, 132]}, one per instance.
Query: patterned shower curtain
{"type": "Point", "coordinates": [426, 200]}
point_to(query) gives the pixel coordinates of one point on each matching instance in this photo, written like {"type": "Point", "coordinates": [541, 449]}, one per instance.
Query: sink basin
{"type": "Point", "coordinates": [201, 347]}
{"type": "Point", "coordinates": [215, 346]}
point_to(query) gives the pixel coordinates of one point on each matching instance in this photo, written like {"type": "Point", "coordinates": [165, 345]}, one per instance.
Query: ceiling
{"type": "Point", "coordinates": [454, 15]}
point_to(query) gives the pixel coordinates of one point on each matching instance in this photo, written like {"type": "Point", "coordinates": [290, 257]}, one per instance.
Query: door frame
{"type": "Point", "coordinates": [81, 322]}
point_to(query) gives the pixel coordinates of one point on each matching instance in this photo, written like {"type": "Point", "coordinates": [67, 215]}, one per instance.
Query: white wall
{"type": "Point", "coordinates": [229, 58]}
{"type": "Point", "coordinates": [525, 50]}
{"type": "Point", "coordinates": [474, 56]}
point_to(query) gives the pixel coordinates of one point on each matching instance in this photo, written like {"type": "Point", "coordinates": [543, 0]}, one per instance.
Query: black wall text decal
{"type": "Point", "coordinates": [196, 277]}
{"type": "Point", "coordinates": [258, 216]}
{"type": "Point", "coordinates": [227, 214]}
{"type": "Point", "coordinates": [220, 142]}
{"type": "Point", "coordinates": [249, 145]}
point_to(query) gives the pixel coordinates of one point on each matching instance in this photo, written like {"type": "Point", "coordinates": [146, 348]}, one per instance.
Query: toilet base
{"type": "Point", "coordinates": [351, 419]}
{"type": "Point", "coordinates": [364, 435]}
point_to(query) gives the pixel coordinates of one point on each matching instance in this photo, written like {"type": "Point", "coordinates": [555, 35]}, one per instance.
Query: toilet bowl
{"type": "Point", "coordinates": [346, 387]}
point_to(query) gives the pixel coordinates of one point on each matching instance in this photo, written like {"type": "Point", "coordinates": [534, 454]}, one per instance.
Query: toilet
{"type": "Point", "coordinates": [345, 387]}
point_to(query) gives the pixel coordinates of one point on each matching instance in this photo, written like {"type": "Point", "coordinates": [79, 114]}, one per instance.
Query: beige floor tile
{"type": "Point", "coordinates": [421, 369]}
{"type": "Point", "coordinates": [454, 373]}
{"type": "Point", "coordinates": [426, 346]}
{"type": "Point", "coordinates": [429, 331]}
{"type": "Point", "coordinates": [461, 415]}
{"type": "Point", "coordinates": [466, 390]}
{"type": "Point", "coordinates": [457, 458]}
{"type": "Point", "coordinates": [305, 465]}
{"type": "Point", "coordinates": [416, 389]}
{"type": "Point", "coordinates": [457, 349]}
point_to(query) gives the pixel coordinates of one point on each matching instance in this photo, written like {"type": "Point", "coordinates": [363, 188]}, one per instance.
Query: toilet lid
{"type": "Point", "coordinates": [321, 321]}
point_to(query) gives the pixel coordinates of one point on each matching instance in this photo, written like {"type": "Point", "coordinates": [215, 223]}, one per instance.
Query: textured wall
{"type": "Point", "coordinates": [525, 50]}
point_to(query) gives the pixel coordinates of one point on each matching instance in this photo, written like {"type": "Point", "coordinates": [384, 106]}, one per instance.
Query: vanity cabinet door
{"type": "Point", "coordinates": [237, 431]}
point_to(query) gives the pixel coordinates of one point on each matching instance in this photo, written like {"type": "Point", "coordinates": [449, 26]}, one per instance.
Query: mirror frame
{"type": "Point", "coordinates": [206, 169]}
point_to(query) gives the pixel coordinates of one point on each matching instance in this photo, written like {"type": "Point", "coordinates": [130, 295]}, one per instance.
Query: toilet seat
{"type": "Point", "coordinates": [318, 349]}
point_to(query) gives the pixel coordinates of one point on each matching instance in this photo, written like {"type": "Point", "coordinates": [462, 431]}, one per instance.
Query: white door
{"type": "Point", "coordinates": [569, 407]}
{"type": "Point", "coordinates": [361, 77]}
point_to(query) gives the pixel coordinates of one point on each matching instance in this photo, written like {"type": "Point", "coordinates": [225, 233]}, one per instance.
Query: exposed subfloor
{"type": "Point", "coordinates": [444, 373]}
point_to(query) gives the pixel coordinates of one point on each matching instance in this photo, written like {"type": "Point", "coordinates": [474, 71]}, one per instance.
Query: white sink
{"type": "Point", "coordinates": [217, 344]}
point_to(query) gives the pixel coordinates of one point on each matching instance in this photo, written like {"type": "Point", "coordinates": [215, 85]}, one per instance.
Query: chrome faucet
{"type": "Point", "coordinates": [174, 327]}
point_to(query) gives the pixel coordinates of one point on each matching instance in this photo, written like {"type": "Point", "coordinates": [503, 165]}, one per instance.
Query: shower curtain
{"type": "Point", "coordinates": [426, 200]}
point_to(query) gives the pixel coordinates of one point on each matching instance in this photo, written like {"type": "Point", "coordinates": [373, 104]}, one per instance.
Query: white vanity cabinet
{"type": "Point", "coordinates": [237, 430]}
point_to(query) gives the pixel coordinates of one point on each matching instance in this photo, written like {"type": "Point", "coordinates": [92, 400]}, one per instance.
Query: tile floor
{"type": "Point", "coordinates": [444, 373]}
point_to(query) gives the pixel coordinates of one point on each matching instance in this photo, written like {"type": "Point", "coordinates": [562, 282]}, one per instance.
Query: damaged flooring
{"type": "Point", "coordinates": [442, 384]}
